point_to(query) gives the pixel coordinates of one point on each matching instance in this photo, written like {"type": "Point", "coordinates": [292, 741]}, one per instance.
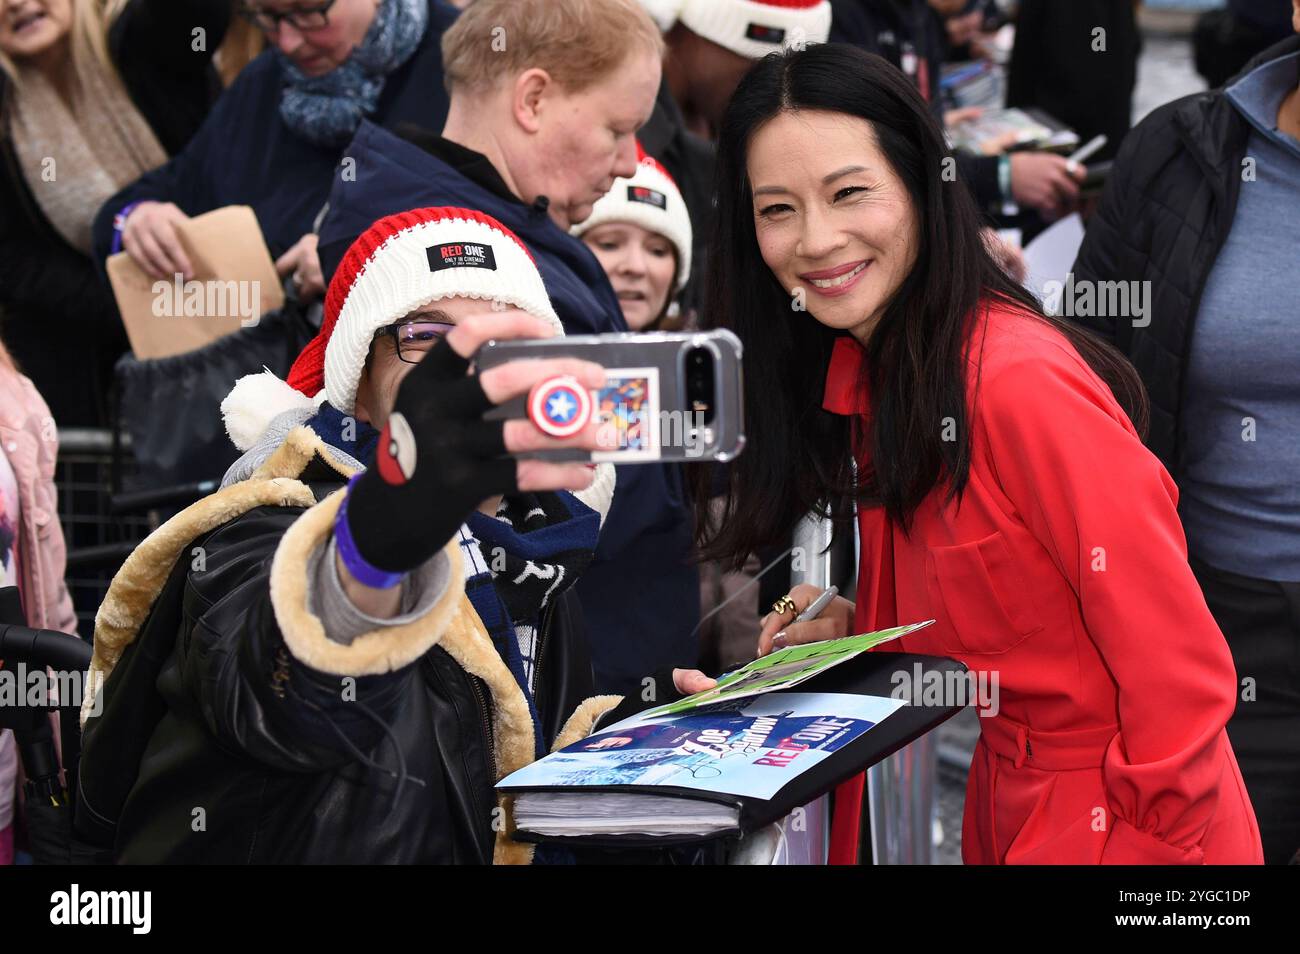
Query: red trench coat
{"type": "Point", "coordinates": [1062, 572]}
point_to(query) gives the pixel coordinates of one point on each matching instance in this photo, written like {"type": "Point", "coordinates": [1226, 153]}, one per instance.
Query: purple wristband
{"type": "Point", "coordinates": [119, 223]}
{"type": "Point", "coordinates": [365, 573]}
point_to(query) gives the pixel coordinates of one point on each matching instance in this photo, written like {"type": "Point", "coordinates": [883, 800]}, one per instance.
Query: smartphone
{"type": "Point", "coordinates": [668, 395]}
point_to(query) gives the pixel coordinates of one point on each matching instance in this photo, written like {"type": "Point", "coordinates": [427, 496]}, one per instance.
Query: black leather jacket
{"type": "Point", "coordinates": [216, 744]}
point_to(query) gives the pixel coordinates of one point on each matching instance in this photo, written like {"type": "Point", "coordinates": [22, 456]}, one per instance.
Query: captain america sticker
{"type": "Point", "coordinates": [560, 407]}
{"type": "Point", "coordinates": [395, 456]}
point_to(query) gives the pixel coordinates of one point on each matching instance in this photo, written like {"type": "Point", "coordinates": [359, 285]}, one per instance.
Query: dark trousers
{"type": "Point", "coordinates": [1261, 621]}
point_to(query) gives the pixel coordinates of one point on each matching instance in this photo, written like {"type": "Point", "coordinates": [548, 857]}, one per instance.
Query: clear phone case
{"type": "Point", "coordinates": [654, 406]}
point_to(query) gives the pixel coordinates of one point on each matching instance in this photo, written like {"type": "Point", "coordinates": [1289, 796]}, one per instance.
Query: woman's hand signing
{"type": "Point", "coordinates": [836, 620]}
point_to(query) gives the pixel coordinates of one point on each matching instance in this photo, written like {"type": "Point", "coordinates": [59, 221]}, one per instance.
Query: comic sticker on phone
{"type": "Point", "coordinates": [627, 412]}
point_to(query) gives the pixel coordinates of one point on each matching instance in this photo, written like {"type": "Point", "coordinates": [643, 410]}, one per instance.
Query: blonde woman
{"type": "Point", "coordinates": [93, 93]}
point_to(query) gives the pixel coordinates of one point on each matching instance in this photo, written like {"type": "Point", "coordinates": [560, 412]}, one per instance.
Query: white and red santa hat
{"type": "Point", "coordinates": [401, 263]}
{"type": "Point", "coordinates": [651, 200]}
{"type": "Point", "coordinates": [755, 28]}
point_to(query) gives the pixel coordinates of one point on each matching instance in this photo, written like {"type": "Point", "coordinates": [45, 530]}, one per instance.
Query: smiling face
{"type": "Point", "coordinates": [641, 266]}
{"type": "Point", "coordinates": [32, 30]}
{"type": "Point", "coordinates": [316, 52]}
{"type": "Point", "coordinates": [831, 217]}
{"type": "Point", "coordinates": [579, 143]}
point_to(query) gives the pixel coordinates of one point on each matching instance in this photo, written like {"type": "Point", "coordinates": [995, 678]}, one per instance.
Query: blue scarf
{"type": "Point", "coordinates": [326, 110]}
{"type": "Point", "coordinates": [344, 432]}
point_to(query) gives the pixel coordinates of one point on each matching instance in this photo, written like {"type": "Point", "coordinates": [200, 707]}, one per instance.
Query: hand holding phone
{"type": "Point", "coordinates": [438, 458]}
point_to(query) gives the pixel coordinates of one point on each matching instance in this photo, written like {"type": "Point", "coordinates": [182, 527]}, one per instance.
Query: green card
{"type": "Point", "coordinates": [785, 668]}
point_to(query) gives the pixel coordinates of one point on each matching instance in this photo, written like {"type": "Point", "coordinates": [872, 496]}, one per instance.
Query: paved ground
{"type": "Point", "coordinates": [1165, 68]}
{"type": "Point", "coordinates": [956, 743]}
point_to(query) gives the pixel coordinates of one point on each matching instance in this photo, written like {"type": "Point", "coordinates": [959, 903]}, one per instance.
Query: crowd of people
{"type": "Point", "coordinates": [384, 608]}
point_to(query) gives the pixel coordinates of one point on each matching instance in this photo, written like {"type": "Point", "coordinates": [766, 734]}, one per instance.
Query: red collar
{"type": "Point", "coordinates": [845, 391]}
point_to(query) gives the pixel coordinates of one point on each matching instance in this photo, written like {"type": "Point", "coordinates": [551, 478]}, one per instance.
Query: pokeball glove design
{"type": "Point", "coordinates": [436, 460]}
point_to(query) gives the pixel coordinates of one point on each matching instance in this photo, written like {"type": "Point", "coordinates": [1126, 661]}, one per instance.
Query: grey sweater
{"type": "Point", "coordinates": [1240, 492]}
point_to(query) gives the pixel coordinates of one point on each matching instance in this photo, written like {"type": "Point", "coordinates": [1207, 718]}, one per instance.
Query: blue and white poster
{"type": "Point", "coordinates": [751, 747]}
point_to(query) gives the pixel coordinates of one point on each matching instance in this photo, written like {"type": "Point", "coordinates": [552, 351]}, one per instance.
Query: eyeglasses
{"type": "Point", "coordinates": [413, 339]}
{"type": "Point", "coordinates": [304, 19]}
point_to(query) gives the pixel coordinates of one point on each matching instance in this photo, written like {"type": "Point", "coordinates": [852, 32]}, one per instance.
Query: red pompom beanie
{"type": "Point", "coordinates": [399, 264]}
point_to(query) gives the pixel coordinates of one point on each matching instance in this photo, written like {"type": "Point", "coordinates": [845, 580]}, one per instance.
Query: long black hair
{"type": "Point", "coordinates": [799, 455]}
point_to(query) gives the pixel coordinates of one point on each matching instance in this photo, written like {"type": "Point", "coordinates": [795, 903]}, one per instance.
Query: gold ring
{"type": "Point", "coordinates": [785, 605]}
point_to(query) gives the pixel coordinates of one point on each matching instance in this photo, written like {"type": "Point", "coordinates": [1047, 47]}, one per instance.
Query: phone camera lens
{"type": "Point", "coordinates": [700, 384]}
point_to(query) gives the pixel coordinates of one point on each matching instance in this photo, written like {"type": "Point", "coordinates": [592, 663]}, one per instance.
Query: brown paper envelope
{"type": "Point", "coordinates": [234, 283]}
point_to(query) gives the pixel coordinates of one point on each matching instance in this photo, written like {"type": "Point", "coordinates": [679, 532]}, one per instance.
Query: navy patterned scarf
{"type": "Point", "coordinates": [326, 110]}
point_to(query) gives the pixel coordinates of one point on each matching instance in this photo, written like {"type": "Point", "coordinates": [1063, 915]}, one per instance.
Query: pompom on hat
{"type": "Point", "coordinates": [755, 28]}
{"type": "Point", "coordinates": [651, 200]}
{"type": "Point", "coordinates": [401, 263]}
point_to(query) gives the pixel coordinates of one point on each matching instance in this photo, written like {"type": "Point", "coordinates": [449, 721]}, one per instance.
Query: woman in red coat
{"type": "Point", "coordinates": [1001, 486]}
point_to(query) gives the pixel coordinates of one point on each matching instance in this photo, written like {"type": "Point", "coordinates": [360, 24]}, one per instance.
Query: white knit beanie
{"type": "Point", "coordinates": [651, 200]}
{"type": "Point", "coordinates": [405, 261]}
{"type": "Point", "coordinates": [755, 28]}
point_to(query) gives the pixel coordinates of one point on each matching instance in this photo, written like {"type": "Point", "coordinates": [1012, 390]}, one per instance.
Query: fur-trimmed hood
{"type": "Point", "coordinates": [451, 624]}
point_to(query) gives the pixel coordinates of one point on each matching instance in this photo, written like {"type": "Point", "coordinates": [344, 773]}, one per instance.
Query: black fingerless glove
{"type": "Point", "coordinates": [437, 459]}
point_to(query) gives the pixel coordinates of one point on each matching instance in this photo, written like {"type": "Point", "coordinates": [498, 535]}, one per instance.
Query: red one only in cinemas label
{"type": "Point", "coordinates": [560, 407]}
{"type": "Point", "coordinates": [647, 196]}
{"type": "Point", "coordinates": [395, 456]}
{"type": "Point", "coordinates": [461, 255]}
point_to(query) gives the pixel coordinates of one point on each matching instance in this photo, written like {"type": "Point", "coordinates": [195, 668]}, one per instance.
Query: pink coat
{"type": "Point", "coordinates": [30, 441]}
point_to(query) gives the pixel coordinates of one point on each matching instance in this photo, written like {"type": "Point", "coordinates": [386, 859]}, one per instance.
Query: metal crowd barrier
{"type": "Point", "coordinates": [90, 468]}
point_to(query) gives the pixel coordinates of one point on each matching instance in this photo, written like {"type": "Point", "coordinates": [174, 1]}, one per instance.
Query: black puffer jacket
{"type": "Point", "coordinates": [1166, 212]}
{"type": "Point", "coordinates": [227, 734]}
